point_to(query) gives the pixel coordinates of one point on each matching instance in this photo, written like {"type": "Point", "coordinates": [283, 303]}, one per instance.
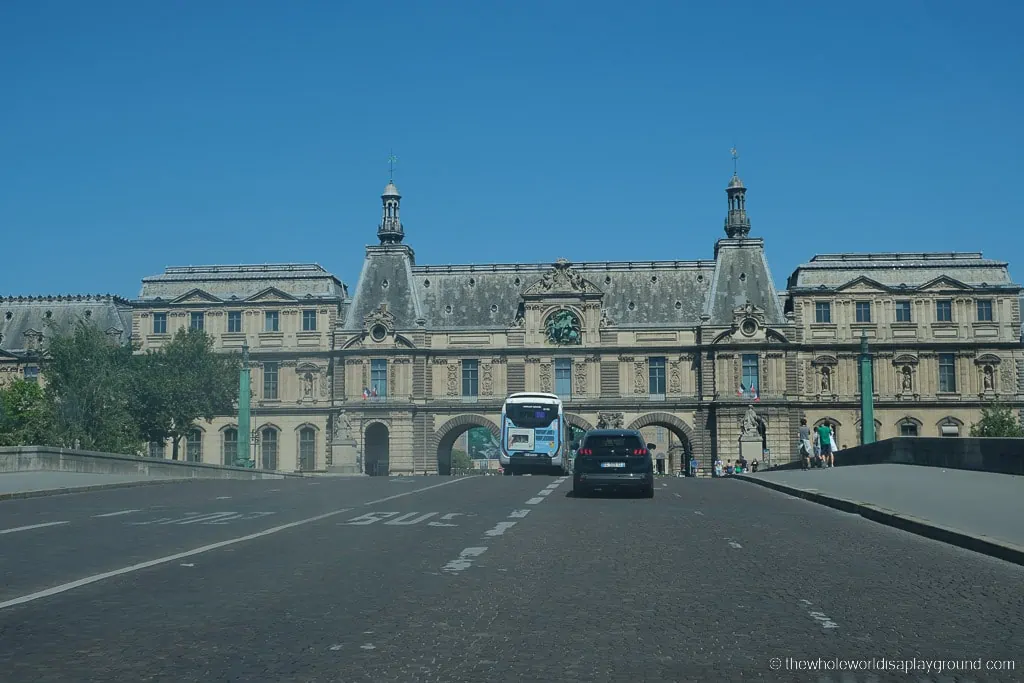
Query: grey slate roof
{"type": "Point", "coordinates": [21, 317]}
{"type": "Point", "coordinates": [241, 282]}
{"type": "Point", "coordinates": [896, 269]}
{"type": "Point", "coordinates": [742, 276]}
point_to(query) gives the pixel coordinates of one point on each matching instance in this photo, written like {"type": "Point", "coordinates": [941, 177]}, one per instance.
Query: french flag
{"type": "Point", "coordinates": [374, 394]}
{"type": "Point", "coordinates": [757, 397]}
{"type": "Point", "coordinates": [741, 390]}
{"type": "Point", "coordinates": [366, 393]}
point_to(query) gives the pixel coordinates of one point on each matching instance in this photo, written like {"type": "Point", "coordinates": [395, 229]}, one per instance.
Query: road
{"type": "Point", "coordinates": [481, 579]}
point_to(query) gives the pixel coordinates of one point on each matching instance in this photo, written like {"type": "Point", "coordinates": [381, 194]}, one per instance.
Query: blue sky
{"type": "Point", "coordinates": [134, 136]}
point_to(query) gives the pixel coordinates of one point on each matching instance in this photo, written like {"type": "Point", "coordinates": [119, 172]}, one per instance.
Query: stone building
{"type": "Point", "coordinates": [286, 315]}
{"type": "Point", "coordinates": [27, 323]}
{"type": "Point", "coordinates": [387, 380]}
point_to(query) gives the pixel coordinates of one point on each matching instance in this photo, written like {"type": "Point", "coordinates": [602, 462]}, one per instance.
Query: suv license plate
{"type": "Point", "coordinates": [616, 465]}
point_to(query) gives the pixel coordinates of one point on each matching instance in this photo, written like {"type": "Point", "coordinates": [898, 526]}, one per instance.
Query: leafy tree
{"type": "Point", "coordinates": [88, 383]}
{"type": "Point", "coordinates": [461, 462]}
{"type": "Point", "coordinates": [180, 383]}
{"type": "Point", "coordinates": [998, 419]}
{"type": "Point", "coordinates": [26, 416]}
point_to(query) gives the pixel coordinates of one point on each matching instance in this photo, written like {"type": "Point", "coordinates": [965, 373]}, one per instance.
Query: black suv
{"type": "Point", "coordinates": [613, 458]}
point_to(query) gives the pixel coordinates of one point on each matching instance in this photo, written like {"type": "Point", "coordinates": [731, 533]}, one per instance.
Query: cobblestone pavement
{"type": "Point", "coordinates": [490, 579]}
{"type": "Point", "coordinates": [978, 503]}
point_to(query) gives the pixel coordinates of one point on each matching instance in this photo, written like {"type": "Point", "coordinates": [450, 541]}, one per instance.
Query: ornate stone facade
{"type": "Point", "coordinates": [422, 353]}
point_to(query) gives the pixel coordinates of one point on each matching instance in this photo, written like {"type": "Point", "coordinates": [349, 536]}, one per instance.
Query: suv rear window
{"type": "Point", "coordinates": [610, 442]}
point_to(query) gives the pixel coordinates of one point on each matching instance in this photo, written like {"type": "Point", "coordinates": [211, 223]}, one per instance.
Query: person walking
{"type": "Point", "coordinates": [804, 438]}
{"type": "Point", "coordinates": [824, 431]}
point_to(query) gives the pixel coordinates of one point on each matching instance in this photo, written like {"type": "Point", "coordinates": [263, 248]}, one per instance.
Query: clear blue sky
{"type": "Point", "coordinates": [137, 135]}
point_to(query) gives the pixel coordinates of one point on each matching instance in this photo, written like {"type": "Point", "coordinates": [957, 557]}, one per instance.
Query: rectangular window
{"type": "Point", "coordinates": [271, 322]}
{"type": "Point", "coordinates": [656, 376]}
{"type": "Point", "coordinates": [751, 368]}
{"type": "Point", "coordinates": [229, 448]}
{"type": "Point", "coordinates": [159, 323]}
{"type": "Point", "coordinates": [822, 312]}
{"type": "Point", "coordinates": [309, 320]}
{"type": "Point", "coordinates": [234, 321]}
{"type": "Point", "coordinates": [31, 374]}
{"type": "Point", "coordinates": [470, 378]}
{"type": "Point", "coordinates": [379, 377]}
{"type": "Point", "coordinates": [908, 429]}
{"type": "Point", "coordinates": [307, 450]}
{"type": "Point", "coordinates": [863, 311]}
{"type": "Point", "coordinates": [197, 321]}
{"type": "Point", "coordinates": [268, 449]}
{"type": "Point", "coordinates": [944, 311]}
{"type": "Point", "coordinates": [903, 312]}
{"type": "Point", "coordinates": [194, 448]}
{"type": "Point", "coordinates": [984, 310]}
{"type": "Point", "coordinates": [947, 373]}
{"type": "Point", "coordinates": [563, 377]}
{"type": "Point", "coordinates": [270, 380]}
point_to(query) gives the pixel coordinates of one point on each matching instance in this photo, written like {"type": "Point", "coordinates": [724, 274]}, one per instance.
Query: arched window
{"type": "Point", "coordinates": [909, 426]}
{"type": "Point", "coordinates": [307, 449]}
{"type": "Point", "coordinates": [194, 448]}
{"type": "Point", "coordinates": [230, 446]}
{"type": "Point", "coordinates": [268, 448]}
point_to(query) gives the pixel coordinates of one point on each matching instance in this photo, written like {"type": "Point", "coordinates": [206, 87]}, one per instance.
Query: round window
{"type": "Point", "coordinates": [378, 332]}
{"type": "Point", "coordinates": [749, 327]}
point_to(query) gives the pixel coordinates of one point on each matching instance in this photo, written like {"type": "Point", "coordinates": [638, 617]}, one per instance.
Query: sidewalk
{"type": "Point", "coordinates": [33, 484]}
{"type": "Point", "coordinates": [980, 511]}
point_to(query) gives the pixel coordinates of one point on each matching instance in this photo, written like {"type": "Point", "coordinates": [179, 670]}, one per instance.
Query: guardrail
{"type": "Point", "coordinates": [50, 459]}
{"type": "Point", "coordinates": [983, 454]}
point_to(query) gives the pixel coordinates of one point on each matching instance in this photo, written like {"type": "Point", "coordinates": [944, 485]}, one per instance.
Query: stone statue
{"type": "Point", "coordinates": [563, 327]}
{"type": "Point", "coordinates": [989, 378]}
{"type": "Point", "coordinates": [749, 425]}
{"type": "Point", "coordinates": [307, 385]}
{"type": "Point", "coordinates": [908, 379]}
{"type": "Point", "coordinates": [826, 381]}
{"type": "Point", "coordinates": [342, 427]}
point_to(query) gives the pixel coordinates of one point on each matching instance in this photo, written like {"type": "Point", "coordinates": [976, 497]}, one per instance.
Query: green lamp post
{"type": "Point", "coordinates": [867, 393]}
{"type": "Point", "coordinates": [242, 457]}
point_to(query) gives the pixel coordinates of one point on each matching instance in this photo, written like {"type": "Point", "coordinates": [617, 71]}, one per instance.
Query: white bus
{"type": "Point", "coordinates": [534, 434]}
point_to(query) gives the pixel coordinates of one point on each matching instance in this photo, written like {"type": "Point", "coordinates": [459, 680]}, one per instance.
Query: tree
{"type": "Point", "coordinates": [180, 383]}
{"type": "Point", "coordinates": [997, 419]}
{"type": "Point", "coordinates": [26, 416]}
{"type": "Point", "coordinates": [88, 383]}
{"type": "Point", "coordinates": [461, 462]}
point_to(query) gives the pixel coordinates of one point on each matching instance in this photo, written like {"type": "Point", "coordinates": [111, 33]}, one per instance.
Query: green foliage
{"type": "Point", "coordinates": [26, 417]}
{"type": "Point", "coordinates": [182, 382]}
{"type": "Point", "coordinates": [102, 396]}
{"type": "Point", "coordinates": [998, 419]}
{"type": "Point", "coordinates": [461, 462]}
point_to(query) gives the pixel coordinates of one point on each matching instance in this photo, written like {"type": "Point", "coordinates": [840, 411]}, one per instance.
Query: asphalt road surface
{"type": "Point", "coordinates": [486, 579]}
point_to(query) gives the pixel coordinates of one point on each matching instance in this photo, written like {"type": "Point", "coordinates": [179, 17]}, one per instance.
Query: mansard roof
{"type": "Point", "coordinates": [907, 270]}
{"type": "Point", "coordinates": [25, 320]}
{"type": "Point", "coordinates": [242, 282]}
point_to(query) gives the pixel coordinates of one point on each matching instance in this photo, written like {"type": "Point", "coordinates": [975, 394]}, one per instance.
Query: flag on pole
{"type": "Point", "coordinates": [366, 393]}
{"type": "Point", "coordinates": [753, 391]}
{"type": "Point", "coordinates": [741, 390]}
{"type": "Point", "coordinates": [374, 394]}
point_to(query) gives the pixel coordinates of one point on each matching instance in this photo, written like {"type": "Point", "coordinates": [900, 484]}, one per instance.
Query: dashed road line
{"type": "Point", "coordinates": [463, 562]}
{"type": "Point", "coordinates": [30, 526]}
{"type": "Point", "coordinates": [818, 616]}
{"type": "Point", "coordinates": [500, 528]}
{"type": "Point", "coordinates": [734, 544]}
{"type": "Point", "coordinates": [534, 501]}
{"type": "Point", "coordinates": [117, 514]}
{"type": "Point", "coordinates": [518, 514]}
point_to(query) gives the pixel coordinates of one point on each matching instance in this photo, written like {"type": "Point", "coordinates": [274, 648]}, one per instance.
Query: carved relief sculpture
{"type": "Point", "coordinates": [486, 380]}
{"type": "Point", "coordinates": [545, 377]}
{"type": "Point", "coordinates": [609, 420]}
{"type": "Point", "coordinates": [342, 427]}
{"type": "Point", "coordinates": [453, 379]}
{"type": "Point", "coordinates": [380, 316]}
{"type": "Point", "coordinates": [675, 383]}
{"type": "Point", "coordinates": [563, 328]}
{"type": "Point", "coordinates": [561, 278]}
{"type": "Point", "coordinates": [324, 388]}
{"type": "Point", "coordinates": [748, 426]}
{"type": "Point", "coordinates": [639, 383]}
{"type": "Point", "coordinates": [581, 379]}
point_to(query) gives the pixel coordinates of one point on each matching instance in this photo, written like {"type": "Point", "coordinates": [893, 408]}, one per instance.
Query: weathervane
{"type": "Point", "coordinates": [735, 158]}
{"type": "Point", "coordinates": [392, 159]}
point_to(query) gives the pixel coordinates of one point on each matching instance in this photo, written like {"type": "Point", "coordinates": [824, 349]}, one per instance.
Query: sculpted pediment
{"type": "Point", "coordinates": [944, 282]}
{"type": "Point", "coordinates": [561, 279]}
{"type": "Point", "coordinates": [378, 318]}
{"type": "Point", "coordinates": [271, 294]}
{"type": "Point", "coordinates": [197, 296]}
{"type": "Point", "coordinates": [862, 284]}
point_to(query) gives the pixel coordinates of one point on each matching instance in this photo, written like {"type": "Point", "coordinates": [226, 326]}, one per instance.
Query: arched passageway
{"type": "Point", "coordinates": [482, 443]}
{"type": "Point", "coordinates": [377, 449]}
{"type": "Point", "coordinates": [677, 450]}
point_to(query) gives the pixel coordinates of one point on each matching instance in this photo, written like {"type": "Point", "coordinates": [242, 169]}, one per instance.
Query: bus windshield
{"type": "Point", "coordinates": [531, 415]}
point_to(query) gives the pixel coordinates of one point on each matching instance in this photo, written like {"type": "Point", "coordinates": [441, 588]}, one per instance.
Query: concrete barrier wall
{"type": "Point", "coordinates": [1004, 456]}
{"type": "Point", "coordinates": [45, 458]}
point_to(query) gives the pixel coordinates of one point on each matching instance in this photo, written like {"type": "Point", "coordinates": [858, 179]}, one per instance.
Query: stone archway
{"type": "Point", "coordinates": [577, 426]}
{"type": "Point", "coordinates": [445, 437]}
{"type": "Point", "coordinates": [377, 449]}
{"type": "Point", "coordinates": [682, 431]}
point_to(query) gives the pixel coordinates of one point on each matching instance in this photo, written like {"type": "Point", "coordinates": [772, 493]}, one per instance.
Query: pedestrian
{"type": "Point", "coordinates": [693, 466]}
{"type": "Point", "coordinates": [659, 458]}
{"type": "Point", "coordinates": [825, 436]}
{"type": "Point", "coordinates": [804, 440]}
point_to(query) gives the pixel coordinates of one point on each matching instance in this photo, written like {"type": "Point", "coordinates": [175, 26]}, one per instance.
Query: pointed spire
{"type": "Point", "coordinates": [390, 230]}
{"type": "Point", "coordinates": [737, 225]}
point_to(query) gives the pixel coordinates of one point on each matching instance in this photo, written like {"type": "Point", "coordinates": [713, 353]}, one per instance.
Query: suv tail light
{"type": "Point", "coordinates": [584, 451]}
{"type": "Point", "coordinates": [640, 451]}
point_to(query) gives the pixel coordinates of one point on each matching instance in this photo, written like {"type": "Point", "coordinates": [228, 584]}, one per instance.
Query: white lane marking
{"type": "Point", "coordinates": [425, 488]}
{"type": "Point", "coordinates": [245, 516]}
{"type": "Point", "coordinates": [677, 495]}
{"type": "Point", "coordinates": [534, 501]}
{"type": "Point", "coordinates": [518, 514]}
{"type": "Point", "coordinates": [370, 518]}
{"type": "Point", "coordinates": [209, 517]}
{"type": "Point", "coordinates": [445, 518]}
{"type": "Point", "coordinates": [187, 564]}
{"type": "Point", "coordinates": [368, 646]}
{"type": "Point", "coordinates": [30, 526]}
{"type": "Point", "coordinates": [464, 561]}
{"type": "Point", "coordinates": [64, 587]}
{"type": "Point", "coordinates": [819, 616]}
{"type": "Point", "coordinates": [223, 497]}
{"type": "Point", "coordinates": [698, 512]}
{"type": "Point", "coordinates": [545, 492]}
{"type": "Point", "coordinates": [405, 520]}
{"type": "Point", "coordinates": [117, 514]}
{"type": "Point", "coordinates": [500, 528]}
{"type": "Point", "coordinates": [335, 647]}
{"type": "Point", "coordinates": [734, 544]}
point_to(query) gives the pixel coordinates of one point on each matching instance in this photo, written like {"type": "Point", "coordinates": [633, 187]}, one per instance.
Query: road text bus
{"type": "Point", "coordinates": [534, 435]}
